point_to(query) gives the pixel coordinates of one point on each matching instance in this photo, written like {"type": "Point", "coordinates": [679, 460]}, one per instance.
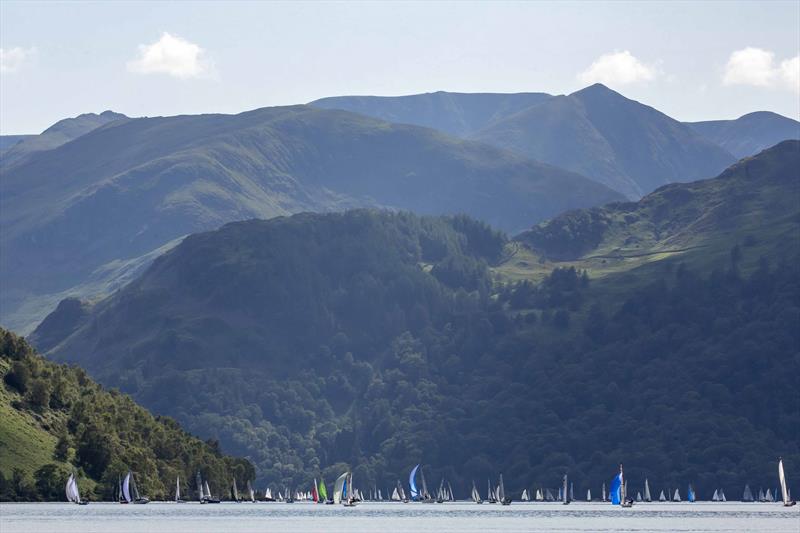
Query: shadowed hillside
{"type": "Point", "coordinates": [73, 216]}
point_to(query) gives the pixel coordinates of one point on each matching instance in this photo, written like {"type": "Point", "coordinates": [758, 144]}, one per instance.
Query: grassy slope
{"type": "Point", "coordinates": [25, 442]}
{"type": "Point", "coordinates": [697, 224]}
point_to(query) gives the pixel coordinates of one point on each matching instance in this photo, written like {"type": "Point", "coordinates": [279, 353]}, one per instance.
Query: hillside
{"type": "Point", "coordinates": [59, 133]}
{"type": "Point", "coordinates": [74, 215]}
{"type": "Point", "coordinates": [380, 341]}
{"type": "Point", "coordinates": [748, 134]}
{"type": "Point", "coordinates": [621, 143]}
{"type": "Point", "coordinates": [7, 141]}
{"type": "Point", "coordinates": [596, 132]}
{"type": "Point", "coordinates": [754, 204]}
{"type": "Point", "coordinates": [459, 114]}
{"type": "Point", "coordinates": [54, 419]}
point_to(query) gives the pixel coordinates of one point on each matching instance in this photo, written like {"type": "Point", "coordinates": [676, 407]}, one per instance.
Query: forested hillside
{"type": "Point", "coordinates": [78, 219]}
{"type": "Point", "coordinates": [382, 340]}
{"type": "Point", "coordinates": [55, 420]}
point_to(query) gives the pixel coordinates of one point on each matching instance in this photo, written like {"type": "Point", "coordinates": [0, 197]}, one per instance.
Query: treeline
{"type": "Point", "coordinates": [100, 435]}
{"type": "Point", "coordinates": [377, 341]}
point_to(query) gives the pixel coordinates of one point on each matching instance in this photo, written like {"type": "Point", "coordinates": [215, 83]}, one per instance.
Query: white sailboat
{"type": "Point", "coordinates": [662, 497]}
{"type": "Point", "coordinates": [715, 496]}
{"type": "Point", "coordinates": [72, 492]}
{"type": "Point", "coordinates": [604, 493]}
{"type": "Point", "coordinates": [747, 496]}
{"type": "Point", "coordinates": [588, 495]}
{"type": "Point", "coordinates": [785, 496]}
{"type": "Point", "coordinates": [639, 497]}
{"type": "Point", "coordinates": [178, 490]}
{"type": "Point", "coordinates": [338, 488]}
{"type": "Point", "coordinates": [722, 497]}
{"type": "Point", "coordinates": [677, 496]}
{"type": "Point", "coordinates": [647, 497]}
{"type": "Point", "coordinates": [525, 497]}
{"type": "Point", "coordinates": [564, 493]}
{"type": "Point", "coordinates": [539, 495]}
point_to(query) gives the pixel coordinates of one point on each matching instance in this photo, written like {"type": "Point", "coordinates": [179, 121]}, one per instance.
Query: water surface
{"type": "Point", "coordinates": [389, 517]}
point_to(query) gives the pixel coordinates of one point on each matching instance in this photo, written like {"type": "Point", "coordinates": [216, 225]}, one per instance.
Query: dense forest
{"type": "Point", "coordinates": [377, 340]}
{"type": "Point", "coordinates": [56, 420]}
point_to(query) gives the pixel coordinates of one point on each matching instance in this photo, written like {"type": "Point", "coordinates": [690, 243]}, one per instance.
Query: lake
{"type": "Point", "coordinates": [388, 517]}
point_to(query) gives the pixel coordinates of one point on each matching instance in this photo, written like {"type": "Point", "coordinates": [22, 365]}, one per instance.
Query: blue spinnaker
{"type": "Point", "coordinates": [412, 483]}
{"type": "Point", "coordinates": [691, 494]}
{"type": "Point", "coordinates": [616, 489]}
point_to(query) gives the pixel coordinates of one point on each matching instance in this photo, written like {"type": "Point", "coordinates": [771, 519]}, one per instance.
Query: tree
{"type": "Point", "coordinates": [61, 451]}
{"type": "Point", "coordinates": [39, 393]}
{"type": "Point", "coordinates": [49, 481]}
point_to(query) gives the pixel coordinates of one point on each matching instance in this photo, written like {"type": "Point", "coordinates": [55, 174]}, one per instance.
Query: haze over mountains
{"type": "Point", "coordinates": [382, 340]}
{"type": "Point", "coordinates": [131, 187]}
{"type": "Point", "coordinates": [597, 132]}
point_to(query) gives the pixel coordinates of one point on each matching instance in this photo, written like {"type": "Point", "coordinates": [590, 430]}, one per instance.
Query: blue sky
{"type": "Point", "coordinates": [694, 61]}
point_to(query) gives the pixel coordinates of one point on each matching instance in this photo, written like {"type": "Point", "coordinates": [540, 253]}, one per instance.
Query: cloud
{"type": "Point", "coordinates": [174, 56]}
{"type": "Point", "coordinates": [13, 59]}
{"type": "Point", "coordinates": [618, 68]}
{"type": "Point", "coordinates": [756, 67]}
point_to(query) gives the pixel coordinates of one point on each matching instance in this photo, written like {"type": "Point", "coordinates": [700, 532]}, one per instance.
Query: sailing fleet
{"type": "Point", "coordinates": [346, 494]}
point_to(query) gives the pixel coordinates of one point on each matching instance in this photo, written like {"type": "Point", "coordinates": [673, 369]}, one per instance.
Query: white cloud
{"type": "Point", "coordinates": [756, 67]}
{"type": "Point", "coordinates": [174, 56]}
{"type": "Point", "coordinates": [790, 72]}
{"type": "Point", "coordinates": [618, 68]}
{"type": "Point", "coordinates": [12, 59]}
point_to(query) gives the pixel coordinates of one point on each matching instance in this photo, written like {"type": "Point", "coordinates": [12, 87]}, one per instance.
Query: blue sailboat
{"type": "Point", "coordinates": [690, 496]}
{"type": "Point", "coordinates": [617, 491]}
{"type": "Point", "coordinates": [412, 484]}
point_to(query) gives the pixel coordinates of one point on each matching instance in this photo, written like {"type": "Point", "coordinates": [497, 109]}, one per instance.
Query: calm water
{"type": "Point", "coordinates": [389, 517]}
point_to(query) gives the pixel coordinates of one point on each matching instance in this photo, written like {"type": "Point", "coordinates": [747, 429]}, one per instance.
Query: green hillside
{"type": "Point", "coordinates": [753, 205]}
{"type": "Point", "coordinates": [54, 419]}
{"type": "Point", "coordinates": [596, 132]}
{"type": "Point", "coordinates": [382, 340]}
{"type": "Point", "coordinates": [72, 215]}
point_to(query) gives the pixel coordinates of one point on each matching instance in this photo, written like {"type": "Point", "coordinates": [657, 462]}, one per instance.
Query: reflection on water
{"type": "Point", "coordinates": [390, 517]}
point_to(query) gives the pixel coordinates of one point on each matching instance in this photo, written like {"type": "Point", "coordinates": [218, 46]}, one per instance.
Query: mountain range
{"type": "Point", "coordinates": [82, 218]}
{"type": "Point", "coordinates": [596, 132]}
{"type": "Point", "coordinates": [383, 339]}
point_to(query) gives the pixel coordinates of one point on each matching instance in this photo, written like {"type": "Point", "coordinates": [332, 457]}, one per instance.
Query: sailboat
{"type": "Point", "coordinates": [564, 494]}
{"type": "Point", "coordinates": [618, 496]}
{"type": "Point", "coordinates": [268, 497]}
{"type": "Point", "coordinates": [72, 492]}
{"type": "Point", "coordinates": [604, 498]}
{"type": "Point", "coordinates": [677, 496]}
{"type": "Point", "coordinates": [129, 491]}
{"type": "Point", "coordinates": [747, 496]}
{"type": "Point", "coordinates": [490, 495]}
{"type": "Point", "coordinates": [785, 496]}
{"type": "Point", "coordinates": [349, 495]}
{"type": "Point", "coordinates": [425, 496]}
{"type": "Point", "coordinates": [690, 496]}
{"type": "Point", "coordinates": [639, 497]}
{"type": "Point", "coordinates": [722, 497]}
{"type": "Point", "coordinates": [251, 492]}
{"type": "Point", "coordinates": [209, 497]}
{"type": "Point", "coordinates": [524, 497]}
{"type": "Point", "coordinates": [647, 497]}
{"type": "Point", "coordinates": [662, 497]}
{"type": "Point", "coordinates": [178, 490]}
{"type": "Point", "coordinates": [588, 495]}
{"type": "Point", "coordinates": [768, 497]}
{"type": "Point", "coordinates": [539, 495]}
{"type": "Point", "coordinates": [323, 491]}
{"type": "Point", "coordinates": [715, 496]}
{"type": "Point", "coordinates": [234, 492]}
{"type": "Point", "coordinates": [412, 484]}
{"type": "Point", "coordinates": [501, 493]}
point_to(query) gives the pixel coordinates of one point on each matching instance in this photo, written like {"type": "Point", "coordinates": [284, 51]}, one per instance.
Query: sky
{"type": "Point", "coordinates": [691, 60]}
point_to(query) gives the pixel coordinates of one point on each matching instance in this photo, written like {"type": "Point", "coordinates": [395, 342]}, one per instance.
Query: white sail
{"type": "Point", "coordinates": [268, 494]}
{"type": "Point", "coordinates": [539, 495]}
{"type": "Point", "coordinates": [68, 488]}
{"type": "Point", "coordinates": [715, 497]}
{"type": "Point", "coordinates": [769, 496]}
{"type": "Point", "coordinates": [722, 498]}
{"type": "Point", "coordinates": [126, 488]}
{"type": "Point", "coordinates": [178, 488]}
{"type": "Point", "coordinates": [395, 495]}
{"type": "Point", "coordinates": [782, 479]}
{"type": "Point", "coordinates": [647, 497]}
{"type": "Point", "coordinates": [208, 490]}
{"type": "Point", "coordinates": [524, 496]}
{"type": "Point", "coordinates": [604, 492]}
{"type": "Point", "coordinates": [338, 487]}
{"type": "Point", "coordinates": [588, 495]}
{"type": "Point", "coordinates": [677, 496]}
